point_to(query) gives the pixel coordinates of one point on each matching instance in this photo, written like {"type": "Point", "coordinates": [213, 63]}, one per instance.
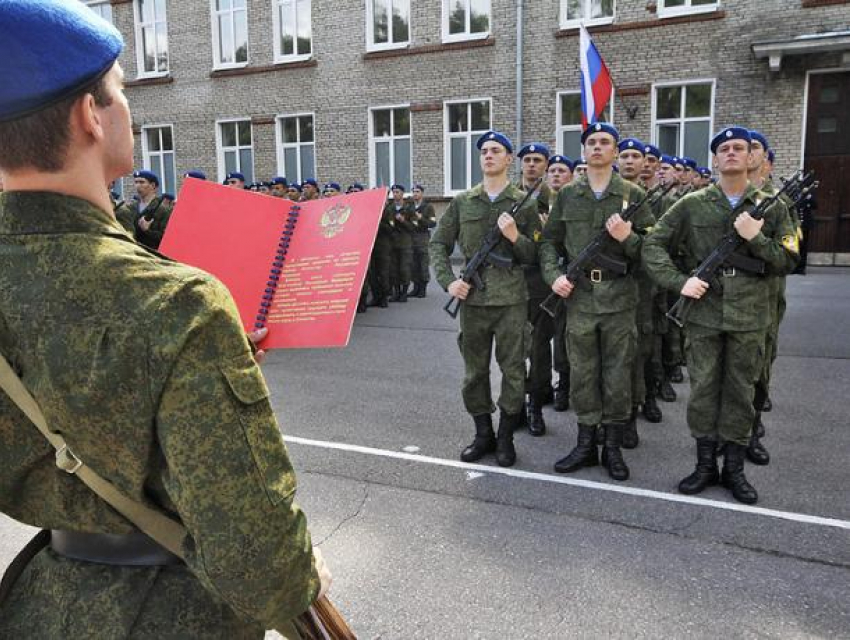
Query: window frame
{"type": "Point", "coordinates": [682, 119]}
{"type": "Point", "coordinates": [147, 153]}
{"type": "Point", "coordinates": [371, 45]}
{"type": "Point", "coordinates": [447, 152]}
{"type": "Point", "coordinates": [98, 3]}
{"type": "Point", "coordinates": [560, 128]}
{"type": "Point", "coordinates": [279, 57]}
{"type": "Point", "coordinates": [215, 24]}
{"type": "Point", "coordinates": [220, 149]}
{"type": "Point", "coordinates": [280, 145]}
{"type": "Point", "coordinates": [373, 166]}
{"type": "Point", "coordinates": [138, 28]}
{"type": "Point", "coordinates": [466, 35]}
{"type": "Point", "coordinates": [687, 10]}
{"type": "Point", "coordinates": [575, 23]}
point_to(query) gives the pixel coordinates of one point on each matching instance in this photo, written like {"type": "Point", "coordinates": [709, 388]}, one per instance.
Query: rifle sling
{"type": "Point", "coordinates": [754, 266]}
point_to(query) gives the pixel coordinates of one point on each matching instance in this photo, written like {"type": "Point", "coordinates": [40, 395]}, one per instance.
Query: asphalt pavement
{"type": "Point", "coordinates": [424, 546]}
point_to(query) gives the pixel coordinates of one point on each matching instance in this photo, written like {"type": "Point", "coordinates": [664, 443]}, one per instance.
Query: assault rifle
{"type": "Point", "coordinates": [486, 255]}
{"type": "Point", "coordinates": [593, 255]}
{"type": "Point", "coordinates": [724, 254]}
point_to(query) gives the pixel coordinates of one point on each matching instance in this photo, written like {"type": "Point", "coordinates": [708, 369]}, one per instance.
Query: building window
{"type": "Point", "coordinates": [682, 117]}
{"type": "Point", "coordinates": [568, 128]}
{"type": "Point", "coordinates": [387, 24]}
{"type": "Point", "coordinates": [235, 149]}
{"type": "Point", "coordinates": [103, 8]}
{"type": "Point", "coordinates": [465, 122]}
{"type": "Point", "coordinates": [151, 37]}
{"type": "Point", "coordinates": [465, 19]}
{"type": "Point", "coordinates": [293, 30]}
{"type": "Point", "coordinates": [230, 32]}
{"type": "Point", "coordinates": [671, 8]}
{"type": "Point", "coordinates": [587, 12]}
{"type": "Point", "coordinates": [389, 146]}
{"type": "Point", "coordinates": [158, 155]}
{"type": "Point", "coordinates": [296, 155]}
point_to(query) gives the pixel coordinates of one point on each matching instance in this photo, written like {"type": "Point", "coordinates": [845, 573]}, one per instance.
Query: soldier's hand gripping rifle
{"type": "Point", "coordinates": [485, 255]}
{"type": "Point", "coordinates": [722, 255]}
{"type": "Point", "coordinates": [593, 254]}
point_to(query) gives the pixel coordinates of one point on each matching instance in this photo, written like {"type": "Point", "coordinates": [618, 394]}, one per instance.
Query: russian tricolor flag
{"type": "Point", "coordinates": [596, 85]}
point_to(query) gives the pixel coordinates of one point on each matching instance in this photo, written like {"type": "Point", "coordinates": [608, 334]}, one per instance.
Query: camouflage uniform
{"type": "Point", "coordinates": [380, 261]}
{"type": "Point", "coordinates": [125, 216]}
{"type": "Point", "coordinates": [421, 238]}
{"type": "Point", "coordinates": [724, 338]}
{"type": "Point", "coordinates": [159, 210]}
{"type": "Point", "coordinates": [401, 242]}
{"type": "Point", "coordinates": [601, 320]}
{"type": "Point", "coordinates": [143, 365]}
{"type": "Point", "coordinates": [499, 311]}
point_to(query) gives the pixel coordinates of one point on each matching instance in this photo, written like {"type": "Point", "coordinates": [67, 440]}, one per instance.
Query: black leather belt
{"type": "Point", "coordinates": [602, 275]}
{"type": "Point", "coordinates": [130, 549]}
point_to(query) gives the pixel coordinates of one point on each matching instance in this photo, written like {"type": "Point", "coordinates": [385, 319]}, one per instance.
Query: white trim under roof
{"type": "Point", "coordinates": [801, 45]}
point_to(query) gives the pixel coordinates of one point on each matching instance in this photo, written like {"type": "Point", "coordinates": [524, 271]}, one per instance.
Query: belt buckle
{"type": "Point", "coordinates": [728, 272]}
{"type": "Point", "coordinates": [67, 461]}
{"type": "Point", "coordinates": [596, 276]}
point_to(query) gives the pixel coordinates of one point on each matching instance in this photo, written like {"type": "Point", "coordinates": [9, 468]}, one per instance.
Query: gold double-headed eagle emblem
{"type": "Point", "coordinates": [333, 219]}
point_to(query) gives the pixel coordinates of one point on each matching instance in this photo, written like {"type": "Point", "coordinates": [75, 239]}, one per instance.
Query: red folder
{"type": "Point", "coordinates": [296, 268]}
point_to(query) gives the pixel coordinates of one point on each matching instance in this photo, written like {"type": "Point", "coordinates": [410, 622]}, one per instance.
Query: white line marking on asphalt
{"type": "Point", "coordinates": [473, 475]}
{"type": "Point", "coordinates": [575, 482]}
{"type": "Point", "coordinates": [411, 448]}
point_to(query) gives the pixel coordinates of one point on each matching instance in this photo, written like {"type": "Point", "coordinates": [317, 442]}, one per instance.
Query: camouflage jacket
{"type": "Point", "coordinates": [159, 211]}
{"type": "Point", "coordinates": [401, 229]}
{"type": "Point", "coordinates": [694, 226]}
{"type": "Point", "coordinates": [576, 218]}
{"type": "Point", "coordinates": [466, 221]}
{"type": "Point", "coordinates": [428, 220]}
{"type": "Point", "coordinates": [143, 365]}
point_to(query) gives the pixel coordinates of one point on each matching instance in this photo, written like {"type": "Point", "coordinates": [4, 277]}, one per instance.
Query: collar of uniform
{"type": "Point", "coordinates": [510, 191]}
{"type": "Point", "coordinates": [716, 194]}
{"type": "Point", "coordinates": [30, 212]}
{"type": "Point", "coordinates": [616, 187]}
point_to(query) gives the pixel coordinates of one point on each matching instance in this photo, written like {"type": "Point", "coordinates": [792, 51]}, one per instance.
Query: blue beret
{"type": "Point", "coordinates": [632, 144]}
{"type": "Point", "coordinates": [278, 180]}
{"type": "Point", "coordinates": [771, 155]}
{"type": "Point", "coordinates": [677, 161]}
{"type": "Point", "coordinates": [690, 163]}
{"type": "Point", "coordinates": [603, 127]}
{"type": "Point", "coordinates": [235, 175]}
{"type": "Point", "coordinates": [652, 150]}
{"type": "Point", "coordinates": [311, 182]}
{"type": "Point", "coordinates": [332, 185]}
{"type": "Point", "coordinates": [418, 185]}
{"type": "Point", "coordinates": [200, 175]}
{"type": "Point", "coordinates": [705, 172]}
{"type": "Point", "coordinates": [356, 187]}
{"type": "Point", "coordinates": [729, 133]}
{"type": "Point", "coordinates": [144, 174]}
{"type": "Point", "coordinates": [294, 185]}
{"type": "Point", "coordinates": [495, 136]}
{"type": "Point", "coordinates": [564, 160]}
{"type": "Point", "coordinates": [51, 50]}
{"type": "Point", "coordinates": [398, 186]}
{"type": "Point", "coordinates": [534, 147]}
{"type": "Point", "coordinates": [666, 159]}
{"type": "Point", "coordinates": [758, 135]}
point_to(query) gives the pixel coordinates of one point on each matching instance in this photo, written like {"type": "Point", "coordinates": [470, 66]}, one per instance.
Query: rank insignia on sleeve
{"type": "Point", "coordinates": [537, 235]}
{"type": "Point", "coordinates": [791, 243]}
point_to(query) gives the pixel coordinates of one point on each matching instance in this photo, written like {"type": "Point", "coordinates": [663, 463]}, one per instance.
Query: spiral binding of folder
{"type": "Point", "coordinates": [277, 266]}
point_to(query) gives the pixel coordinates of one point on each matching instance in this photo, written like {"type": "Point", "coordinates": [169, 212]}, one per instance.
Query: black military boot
{"type": "Point", "coordinates": [485, 439]}
{"type": "Point", "coordinates": [651, 410]}
{"type": "Point", "coordinates": [733, 477]}
{"type": "Point", "coordinates": [402, 292]}
{"type": "Point", "coordinates": [612, 457]}
{"type": "Point", "coordinates": [767, 406]}
{"type": "Point", "coordinates": [361, 307]}
{"type": "Point", "coordinates": [706, 473]}
{"type": "Point", "coordinates": [676, 375]}
{"type": "Point", "coordinates": [667, 393]}
{"type": "Point", "coordinates": [759, 428]}
{"type": "Point", "coordinates": [536, 424]}
{"type": "Point", "coordinates": [396, 293]}
{"type": "Point", "coordinates": [585, 453]}
{"type": "Point", "coordinates": [562, 393]}
{"type": "Point", "coordinates": [423, 290]}
{"type": "Point", "coordinates": [630, 435]}
{"type": "Point", "coordinates": [505, 452]}
{"type": "Point", "coordinates": [756, 452]}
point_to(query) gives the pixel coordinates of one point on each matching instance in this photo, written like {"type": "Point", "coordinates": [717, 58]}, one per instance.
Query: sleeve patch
{"type": "Point", "coordinates": [791, 243]}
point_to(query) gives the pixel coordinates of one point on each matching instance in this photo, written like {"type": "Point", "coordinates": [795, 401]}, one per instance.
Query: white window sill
{"type": "Point", "coordinates": [385, 46]}
{"type": "Point", "coordinates": [293, 58]}
{"type": "Point", "coordinates": [230, 65]}
{"type": "Point", "coordinates": [575, 24]}
{"type": "Point", "coordinates": [686, 11]}
{"type": "Point", "coordinates": [149, 75]}
{"type": "Point", "coordinates": [465, 37]}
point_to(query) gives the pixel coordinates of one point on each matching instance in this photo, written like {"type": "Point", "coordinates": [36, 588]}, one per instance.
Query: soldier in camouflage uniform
{"type": "Point", "coordinates": [496, 313]}
{"type": "Point", "coordinates": [726, 325]}
{"type": "Point", "coordinates": [153, 212]}
{"type": "Point", "coordinates": [534, 159]}
{"type": "Point", "coordinates": [424, 219]}
{"type": "Point", "coordinates": [380, 262]}
{"type": "Point", "coordinates": [601, 330]}
{"type": "Point", "coordinates": [400, 215]}
{"type": "Point", "coordinates": [144, 367]}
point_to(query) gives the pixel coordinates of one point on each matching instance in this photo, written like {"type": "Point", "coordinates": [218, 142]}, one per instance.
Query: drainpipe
{"type": "Point", "coordinates": [519, 79]}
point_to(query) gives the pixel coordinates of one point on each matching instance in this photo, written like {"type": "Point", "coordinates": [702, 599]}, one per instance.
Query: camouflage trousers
{"type": "Point", "coordinates": [672, 340]}
{"type": "Point", "coordinates": [402, 260]}
{"type": "Point", "coordinates": [540, 355]}
{"type": "Point", "coordinates": [723, 369]}
{"type": "Point", "coordinates": [379, 269]}
{"type": "Point", "coordinates": [480, 327]}
{"type": "Point", "coordinates": [601, 348]}
{"type": "Point", "coordinates": [421, 258]}
{"type": "Point", "coordinates": [771, 339]}
{"type": "Point", "coordinates": [645, 347]}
